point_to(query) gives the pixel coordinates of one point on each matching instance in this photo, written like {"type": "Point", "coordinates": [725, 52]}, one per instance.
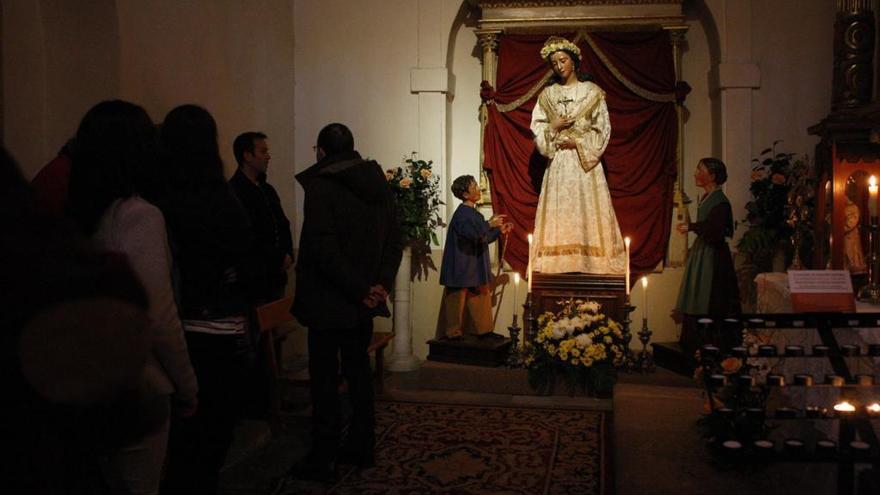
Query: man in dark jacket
{"type": "Point", "coordinates": [272, 238]}
{"type": "Point", "coordinates": [350, 249]}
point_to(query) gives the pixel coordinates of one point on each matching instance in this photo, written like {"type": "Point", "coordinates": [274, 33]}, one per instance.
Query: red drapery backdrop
{"type": "Point", "coordinates": [637, 72]}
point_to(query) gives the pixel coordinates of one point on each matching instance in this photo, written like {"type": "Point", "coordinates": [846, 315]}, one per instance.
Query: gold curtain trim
{"type": "Point", "coordinates": [568, 249]}
{"type": "Point", "coordinates": [644, 93]}
{"type": "Point", "coordinates": [506, 107]}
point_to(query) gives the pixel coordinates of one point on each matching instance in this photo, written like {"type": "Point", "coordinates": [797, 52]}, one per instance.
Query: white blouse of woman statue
{"type": "Point", "coordinates": [576, 229]}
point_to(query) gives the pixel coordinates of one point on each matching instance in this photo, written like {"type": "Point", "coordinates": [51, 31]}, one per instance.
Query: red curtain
{"type": "Point", "coordinates": [640, 161]}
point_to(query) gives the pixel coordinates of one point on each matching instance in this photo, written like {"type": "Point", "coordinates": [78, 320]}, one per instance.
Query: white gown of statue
{"type": "Point", "coordinates": [576, 229]}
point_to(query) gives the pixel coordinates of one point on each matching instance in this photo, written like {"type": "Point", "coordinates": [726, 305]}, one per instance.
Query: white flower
{"type": "Point", "coordinates": [583, 340]}
{"type": "Point", "coordinates": [559, 332]}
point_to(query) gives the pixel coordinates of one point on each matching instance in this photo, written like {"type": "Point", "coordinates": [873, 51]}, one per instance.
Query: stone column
{"type": "Point", "coordinates": [430, 81]}
{"type": "Point", "coordinates": [738, 76]}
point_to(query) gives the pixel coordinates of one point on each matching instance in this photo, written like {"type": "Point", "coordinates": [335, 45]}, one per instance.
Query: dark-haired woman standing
{"type": "Point", "coordinates": [212, 242]}
{"type": "Point", "coordinates": [110, 178]}
{"type": "Point", "coordinates": [708, 285]}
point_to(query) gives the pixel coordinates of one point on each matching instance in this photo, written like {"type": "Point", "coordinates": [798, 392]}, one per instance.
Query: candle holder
{"type": "Point", "coordinates": [645, 360]}
{"type": "Point", "coordinates": [515, 358]}
{"type": "Point", "coordinates": [628, 360]}
{"type": "Point", "coordinates": [870, 292]}
{"type": "Point", "coordinates": [530, 323]}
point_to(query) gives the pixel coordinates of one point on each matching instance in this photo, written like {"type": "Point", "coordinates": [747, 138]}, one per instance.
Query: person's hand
{"type": "Point", "coordinates": [376, 296]}
{"type": "Point", "coordinates": [566, 144]}
{"type": "Point", "coordinates": [507, 227]}
{"type": "Point", "coordinates": [682, 228]}
{"type": "Point", "coordinates": [560, 123]}
{"type": "Point", "coordinates": [497, 220]}
{"type": "Point", "coordinates": [286, 262]}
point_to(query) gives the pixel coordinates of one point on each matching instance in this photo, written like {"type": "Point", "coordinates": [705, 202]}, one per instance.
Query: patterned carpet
{"type": "Point", "coordinates": [439, 448]}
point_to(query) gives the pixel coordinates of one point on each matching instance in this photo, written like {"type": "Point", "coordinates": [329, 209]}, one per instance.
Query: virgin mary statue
{"type": "Point", "coordinates": [576, 229]}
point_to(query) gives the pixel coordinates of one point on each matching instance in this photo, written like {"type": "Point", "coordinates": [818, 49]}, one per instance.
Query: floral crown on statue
{"type": "Point", "coordinates": [555, 44]}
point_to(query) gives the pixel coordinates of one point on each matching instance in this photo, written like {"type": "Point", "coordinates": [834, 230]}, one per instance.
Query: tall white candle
{"type": "Point", "coordinates": [515, 290]}
{"type": "Point", "coordinates": [645, 293]}
{"type": "Point", "coordinates": [529, 269]}
{"type": "Point", "coordinates": [872, 196]}
{"type": "Point", "coordinates": [626, 240]}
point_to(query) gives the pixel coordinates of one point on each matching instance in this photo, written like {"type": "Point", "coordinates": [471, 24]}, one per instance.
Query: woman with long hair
{"type": "Point", "coordinates": [109, 186]}
{"type": "Point", "coordinates": [212, 241]}
{"type": "Point", "coordinates": [576, 229]}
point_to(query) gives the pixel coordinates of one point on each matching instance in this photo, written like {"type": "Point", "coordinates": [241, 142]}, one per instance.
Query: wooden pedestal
{"type": "Point", "coordinates": [607, 290]}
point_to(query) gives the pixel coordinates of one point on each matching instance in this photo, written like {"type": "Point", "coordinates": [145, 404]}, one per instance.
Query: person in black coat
{"type": "Point", "coordinates": [271, 228]}
{"type": "Point", "coordinates": [350, 249]}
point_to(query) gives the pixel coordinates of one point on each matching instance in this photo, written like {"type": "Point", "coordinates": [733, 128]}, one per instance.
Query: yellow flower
{"type": "Point", "coordinates": [575, 352]}
{"type": "Point", "coordinates": [608, 339]}
{"type": "Point", "coordinates": [425, 173]}
{"type": "Point", "coordinates": [389, 175]}
{"type": "Point", "coordinates": [574, 361]}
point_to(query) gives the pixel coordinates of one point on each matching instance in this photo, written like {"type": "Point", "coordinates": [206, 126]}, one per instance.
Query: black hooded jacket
{"type": "Point", "coordinates": [350, 241]}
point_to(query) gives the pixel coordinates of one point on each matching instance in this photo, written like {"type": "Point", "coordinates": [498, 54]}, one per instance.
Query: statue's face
{"type": "Point", "coordinates": [562, 65]}
{"type": "Point", "coordinates": [702, 177]}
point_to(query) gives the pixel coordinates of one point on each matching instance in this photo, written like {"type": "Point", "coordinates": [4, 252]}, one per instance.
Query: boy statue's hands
{"type": "Point", "coordinates": [507, 227]}
{"type": "Point", "coordinates": [497, 220]}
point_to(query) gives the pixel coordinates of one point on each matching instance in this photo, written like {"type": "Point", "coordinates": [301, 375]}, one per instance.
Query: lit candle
{"type": "Point", "coordinates": [626, 241]}
{"type": "Point", "coordinates": [515, 287]}
{"type": "Point", "coordinates": [529, 269]}
{"type": "Point", "coordinates": [873, 409]}
{"type": "Point", "coordinates": [844, 407]}
{"type": "Point", "coordinates": [872, 196]}
{"type": "Point", "coordinates": [645, 291]}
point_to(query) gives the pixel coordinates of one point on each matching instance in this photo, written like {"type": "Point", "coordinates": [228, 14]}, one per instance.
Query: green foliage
{"type": "Point", "coordinates": [781, 209]}
{"type": "Point", "coordinates": [417, 192]}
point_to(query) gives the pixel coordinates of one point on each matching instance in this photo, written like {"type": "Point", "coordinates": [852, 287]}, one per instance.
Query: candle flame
{"type": "Point", "coordinates": [626, 240]}
{"type": "Point", "coordinates": [872, 181]}
{"type": "Point", "coordinates": [844, 406]}
{"type": "Point", "coordinates": [873, 408]}
{"type": "Point", "coordinates": [530, 238]}
{"type": "Point", "coordinates": [516, 278]}
{"type": "Point", "coordinates": [644, 282]}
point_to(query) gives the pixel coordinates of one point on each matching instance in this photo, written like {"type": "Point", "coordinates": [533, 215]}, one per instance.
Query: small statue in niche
{"type": "Point", "coordinates": [854, 256]}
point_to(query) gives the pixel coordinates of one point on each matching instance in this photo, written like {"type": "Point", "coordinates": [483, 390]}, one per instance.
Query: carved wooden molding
{"type": "Point", "coordinates": [550, 15]}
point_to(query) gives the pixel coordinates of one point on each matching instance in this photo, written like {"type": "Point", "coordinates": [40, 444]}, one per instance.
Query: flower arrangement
{"type": "Point", "coordinates": [417, 192]}
{"type": "Point", "coordinates": [781, 208]}
{"type": "Point", "coordinates": [579, 344]}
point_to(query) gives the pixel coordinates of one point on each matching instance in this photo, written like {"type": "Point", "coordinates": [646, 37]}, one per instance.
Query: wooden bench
{"type": "Point", "coordinates": [377, 345]}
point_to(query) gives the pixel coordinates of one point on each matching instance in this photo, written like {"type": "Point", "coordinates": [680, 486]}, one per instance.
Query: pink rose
{"type": "Point", "coordinates": [778, 179]}
{"type": "Point", "coordinates": [405, 183]}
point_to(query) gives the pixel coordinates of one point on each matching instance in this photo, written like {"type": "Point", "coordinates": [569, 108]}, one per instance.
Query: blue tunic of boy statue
{"type": "Point", "coordinates": [465, 273]}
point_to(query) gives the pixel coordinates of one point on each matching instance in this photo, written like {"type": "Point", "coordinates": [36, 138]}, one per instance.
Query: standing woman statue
{"type": "Point", "coordinates": [709, 284]}
{"type": "Point", "coordinates": [576, 229]}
